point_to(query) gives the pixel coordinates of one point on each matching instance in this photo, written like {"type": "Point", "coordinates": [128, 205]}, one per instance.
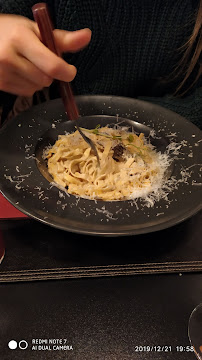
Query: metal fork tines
{"type": "Point", "coordinates": [90, 142]}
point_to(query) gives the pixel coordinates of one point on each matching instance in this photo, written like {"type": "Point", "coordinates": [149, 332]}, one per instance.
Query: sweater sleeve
{"type": "Point", "coordinates": [189, 107]}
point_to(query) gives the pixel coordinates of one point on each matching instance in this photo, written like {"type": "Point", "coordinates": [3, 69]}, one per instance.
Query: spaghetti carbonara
{"type": "Point", "coordinates": [129, 166]}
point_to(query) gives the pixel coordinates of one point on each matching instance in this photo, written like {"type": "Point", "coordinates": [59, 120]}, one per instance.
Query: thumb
{"type": "Point", "coordinates": [72, 41]}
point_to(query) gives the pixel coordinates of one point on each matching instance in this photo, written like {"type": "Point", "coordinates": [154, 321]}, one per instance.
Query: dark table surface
{"type": "Point", "coordinates": [111, 318]}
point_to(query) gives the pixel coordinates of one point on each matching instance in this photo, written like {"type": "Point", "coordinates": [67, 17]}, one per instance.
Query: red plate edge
{"type": "Point", "coordinates": [8, 211]}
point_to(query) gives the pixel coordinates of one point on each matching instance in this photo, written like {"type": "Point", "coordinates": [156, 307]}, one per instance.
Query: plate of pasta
{"type": "Point", "coordinates": [149, 176]}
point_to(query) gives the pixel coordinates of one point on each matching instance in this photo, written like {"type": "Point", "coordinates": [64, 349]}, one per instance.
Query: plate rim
{"type": "Point", "coordinates": [151, 228]}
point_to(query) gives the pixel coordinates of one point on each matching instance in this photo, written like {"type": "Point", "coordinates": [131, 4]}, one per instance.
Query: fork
{"type": "Point", "coordinates": [42, 17]}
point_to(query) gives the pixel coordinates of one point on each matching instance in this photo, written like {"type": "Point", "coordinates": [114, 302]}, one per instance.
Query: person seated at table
{"type": "Point", "coordinates": [149, 49]}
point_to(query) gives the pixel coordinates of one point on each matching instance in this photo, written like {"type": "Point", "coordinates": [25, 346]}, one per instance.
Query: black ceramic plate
{"type": "Point", "coordinates": [23, 177]}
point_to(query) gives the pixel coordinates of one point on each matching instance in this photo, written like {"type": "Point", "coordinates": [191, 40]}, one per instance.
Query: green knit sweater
{"type": "Point", "coordinates": [135, 43]}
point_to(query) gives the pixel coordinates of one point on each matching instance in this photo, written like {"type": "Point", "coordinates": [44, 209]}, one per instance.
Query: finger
{"type": "Point", "coordinates": [72, 41]}
{"type": "Point", "coordinates": [17, 85]}
{"type": "Point", "coordinates": [32, 49]}
{"type": "Point", "coordinates": [68, 41]}
{"type": "Point", "coordinates": [29, 71]}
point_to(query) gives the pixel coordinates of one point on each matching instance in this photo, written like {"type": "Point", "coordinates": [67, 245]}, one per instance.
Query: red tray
{"type": "Point", "coordinates": [8, 211]}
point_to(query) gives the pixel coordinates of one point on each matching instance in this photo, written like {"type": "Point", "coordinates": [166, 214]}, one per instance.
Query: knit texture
{"type": "Point", "coordinates": [134, 44]}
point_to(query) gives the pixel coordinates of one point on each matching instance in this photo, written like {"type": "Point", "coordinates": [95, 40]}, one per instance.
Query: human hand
{"type": "Point", "coordinates": [26, 65]}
